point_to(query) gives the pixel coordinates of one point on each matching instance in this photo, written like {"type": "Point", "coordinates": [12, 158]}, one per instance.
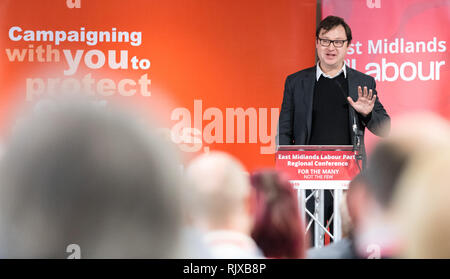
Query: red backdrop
{"type": "Point", "coordinates": [200, 63]}
{"type": "Point", "coordinates": [404, 45]}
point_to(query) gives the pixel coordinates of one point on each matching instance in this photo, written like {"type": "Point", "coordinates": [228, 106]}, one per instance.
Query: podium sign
{"type": "Point", "coordinates": [319, 168]}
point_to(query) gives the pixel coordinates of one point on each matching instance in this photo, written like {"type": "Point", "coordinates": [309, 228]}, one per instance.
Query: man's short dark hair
{"type": "Point", "coordinates": [384, 168]}
{"type": "Point", "coordinates": [331, 22]}
{"type": "Point", "coordinates": [93, 176]}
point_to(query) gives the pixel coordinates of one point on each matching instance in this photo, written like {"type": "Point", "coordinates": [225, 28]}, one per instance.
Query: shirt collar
{"type": "Point", "coordinates": [319, 72]}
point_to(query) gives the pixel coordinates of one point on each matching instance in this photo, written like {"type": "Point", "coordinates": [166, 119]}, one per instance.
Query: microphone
{"type": "Point", "coordinates": [356, 142]}
{"type": "Point", "coordinates": [357, 133]}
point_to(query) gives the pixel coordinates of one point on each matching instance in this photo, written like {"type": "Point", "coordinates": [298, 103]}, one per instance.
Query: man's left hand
{"type": "Point", "coordinates": [365, 102]}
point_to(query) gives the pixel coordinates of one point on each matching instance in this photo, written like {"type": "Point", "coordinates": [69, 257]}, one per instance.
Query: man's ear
{"type": "Point", "coordinates": [357, 202]}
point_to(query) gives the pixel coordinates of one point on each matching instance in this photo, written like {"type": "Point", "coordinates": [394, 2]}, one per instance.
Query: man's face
{"type": "Point", "coordinates": [332, 57]}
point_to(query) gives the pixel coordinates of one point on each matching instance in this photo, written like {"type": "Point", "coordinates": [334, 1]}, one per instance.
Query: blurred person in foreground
{"type": "Point", "coordinates": [377, 232]}
{"type": "Point", "coordinates": [76, 173]}
{"type": "Point", "coordinates": [421, 208]}
{"type": "Point", "coordinates": [221, 205]}
{"type": "Point", "coordinates": [278, 228]}
{"type": "Point", "coordinates": [370, 198]}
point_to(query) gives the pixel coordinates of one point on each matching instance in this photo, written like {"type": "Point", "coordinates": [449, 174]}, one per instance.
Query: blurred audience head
{"type": "Point", "coordinates": [278, 229]}
{"type": "Point", "coordinates": [221, 205]}
{"type": "Point", "coordinates": [371, 203]}
{"type": "Point", "coordinates": [76, 173]}
{"type": "Point", "coordinates": [220, 192]}
{"type": "Point", "coordinates": [368, 200]}
{"type": "Point", "coordinates": [421, 206]}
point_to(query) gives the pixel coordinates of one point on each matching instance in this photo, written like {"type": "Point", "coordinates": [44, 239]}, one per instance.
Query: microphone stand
{"type": "Point", "coordinates": [357, 133]}
{"type": "Point", "coordinates": [357, 146]}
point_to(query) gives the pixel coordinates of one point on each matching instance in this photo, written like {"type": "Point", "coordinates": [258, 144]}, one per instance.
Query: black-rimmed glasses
{"type": "Point", "coordinates": [336, 43]}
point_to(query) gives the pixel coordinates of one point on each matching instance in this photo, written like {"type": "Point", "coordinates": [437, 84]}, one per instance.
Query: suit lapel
{"type": "Point", "coordinates": [352, 83]}
{"type": "Point", "coordinates": [308, 88]}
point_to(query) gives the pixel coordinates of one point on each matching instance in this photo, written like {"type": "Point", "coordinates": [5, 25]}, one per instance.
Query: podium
{"type": "Point", "coordinates": [319, 168]}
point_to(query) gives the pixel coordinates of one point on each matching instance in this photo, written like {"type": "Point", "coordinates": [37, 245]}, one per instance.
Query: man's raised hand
{"type": "Point", "coordinates": [366, 101]}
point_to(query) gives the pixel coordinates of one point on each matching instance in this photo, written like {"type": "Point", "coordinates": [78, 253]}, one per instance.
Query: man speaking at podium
{"type": "Point", "coordinates": [322, 104]}
{"type": "Point", "coordinates": [330, 103]}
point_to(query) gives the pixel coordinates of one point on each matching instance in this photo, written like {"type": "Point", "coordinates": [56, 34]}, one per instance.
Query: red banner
{"type": "Point", "coordinates": [403, 44]}
{"type": "Point", "coordinates": [211, 73]}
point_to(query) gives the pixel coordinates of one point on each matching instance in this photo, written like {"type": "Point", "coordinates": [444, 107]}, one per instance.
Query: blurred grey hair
{"type": "Point", "coordinates": [92, 176]}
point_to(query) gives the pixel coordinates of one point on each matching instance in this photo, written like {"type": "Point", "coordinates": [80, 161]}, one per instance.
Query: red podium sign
{"type": "Point", "coordinates": [318, 167]}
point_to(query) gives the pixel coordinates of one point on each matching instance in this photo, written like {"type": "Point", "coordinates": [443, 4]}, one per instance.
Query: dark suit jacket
{"type": "Point", "coordinates": [296, 110]}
